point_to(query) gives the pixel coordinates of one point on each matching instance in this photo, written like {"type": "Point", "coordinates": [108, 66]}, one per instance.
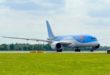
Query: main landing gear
{"type": "Point", "coordinates": [94, 48]}
{"type": "Point", "coordinates": [77, 50]}
{"type": "Point", "coordinates": [59, 50]}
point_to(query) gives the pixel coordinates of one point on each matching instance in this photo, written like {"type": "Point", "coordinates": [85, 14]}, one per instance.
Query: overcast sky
{"type": "Point", "coordinates": [26, 18]}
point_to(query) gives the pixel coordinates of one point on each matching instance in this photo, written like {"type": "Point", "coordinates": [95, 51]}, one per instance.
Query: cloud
{"type": "Point", "coordinates": [99, 8]}
{"type": "Point", "coordinates": [39, 6]}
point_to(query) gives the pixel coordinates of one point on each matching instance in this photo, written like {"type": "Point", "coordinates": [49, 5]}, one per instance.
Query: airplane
{"type": "Point", "coordinates": [72, 41]}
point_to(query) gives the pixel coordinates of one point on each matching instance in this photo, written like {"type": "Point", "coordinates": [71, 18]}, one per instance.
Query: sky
{"type": "Point", "coordinates": [26, 18]}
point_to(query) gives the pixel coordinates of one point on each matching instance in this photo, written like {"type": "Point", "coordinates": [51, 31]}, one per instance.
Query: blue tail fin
{"type": "Point", "coordinates": [50, 33]}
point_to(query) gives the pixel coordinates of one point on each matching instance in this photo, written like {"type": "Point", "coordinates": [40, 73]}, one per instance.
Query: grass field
{"type": "Point", "coordinates": [54, 64]}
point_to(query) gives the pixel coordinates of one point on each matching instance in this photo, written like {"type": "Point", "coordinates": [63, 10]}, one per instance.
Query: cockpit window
{"type": "Point", "coordinates": [93, 38]}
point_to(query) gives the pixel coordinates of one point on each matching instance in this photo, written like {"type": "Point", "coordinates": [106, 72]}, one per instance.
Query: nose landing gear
{"type": "Point", "coordinates": [94, 48]}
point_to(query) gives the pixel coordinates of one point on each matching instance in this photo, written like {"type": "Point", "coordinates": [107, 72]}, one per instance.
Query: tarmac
{"type": "Point", "coordinates": [52, 52]}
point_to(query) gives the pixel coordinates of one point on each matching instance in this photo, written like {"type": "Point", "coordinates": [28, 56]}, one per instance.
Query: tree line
{"type": "Point", "coordinates": [29, 47]}
{"type": "Point", "coordinates": [24, 47]}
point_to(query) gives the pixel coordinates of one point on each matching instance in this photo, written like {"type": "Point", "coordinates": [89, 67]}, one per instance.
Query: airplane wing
{"type": "Point", "coordinates": [26, 39]}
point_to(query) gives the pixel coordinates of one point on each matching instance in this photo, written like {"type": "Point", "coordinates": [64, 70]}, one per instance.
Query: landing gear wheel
{"type": "Point", "coordinates": [59, 50]}
{"type": "Point", "coordinates": [77, 50]}
{"type": "Point", "coordinates": [92, 50]}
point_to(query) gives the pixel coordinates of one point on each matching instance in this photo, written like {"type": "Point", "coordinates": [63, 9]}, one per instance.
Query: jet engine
{"type": "Point", "coordinates": [57, 46]}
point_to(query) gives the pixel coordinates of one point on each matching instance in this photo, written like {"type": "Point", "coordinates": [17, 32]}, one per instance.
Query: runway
{"type": "Point", "coordinates": [52, 52]}
{"type": "Point", "coordinates": [77, 52]}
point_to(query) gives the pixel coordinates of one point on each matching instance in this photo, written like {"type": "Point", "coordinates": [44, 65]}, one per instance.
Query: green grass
{"type": "Point", "coordinates": [54, 64]}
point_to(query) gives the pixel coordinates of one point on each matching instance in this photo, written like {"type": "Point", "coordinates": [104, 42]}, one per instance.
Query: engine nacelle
{"type": "Point", "coordinates": [56, 46]}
